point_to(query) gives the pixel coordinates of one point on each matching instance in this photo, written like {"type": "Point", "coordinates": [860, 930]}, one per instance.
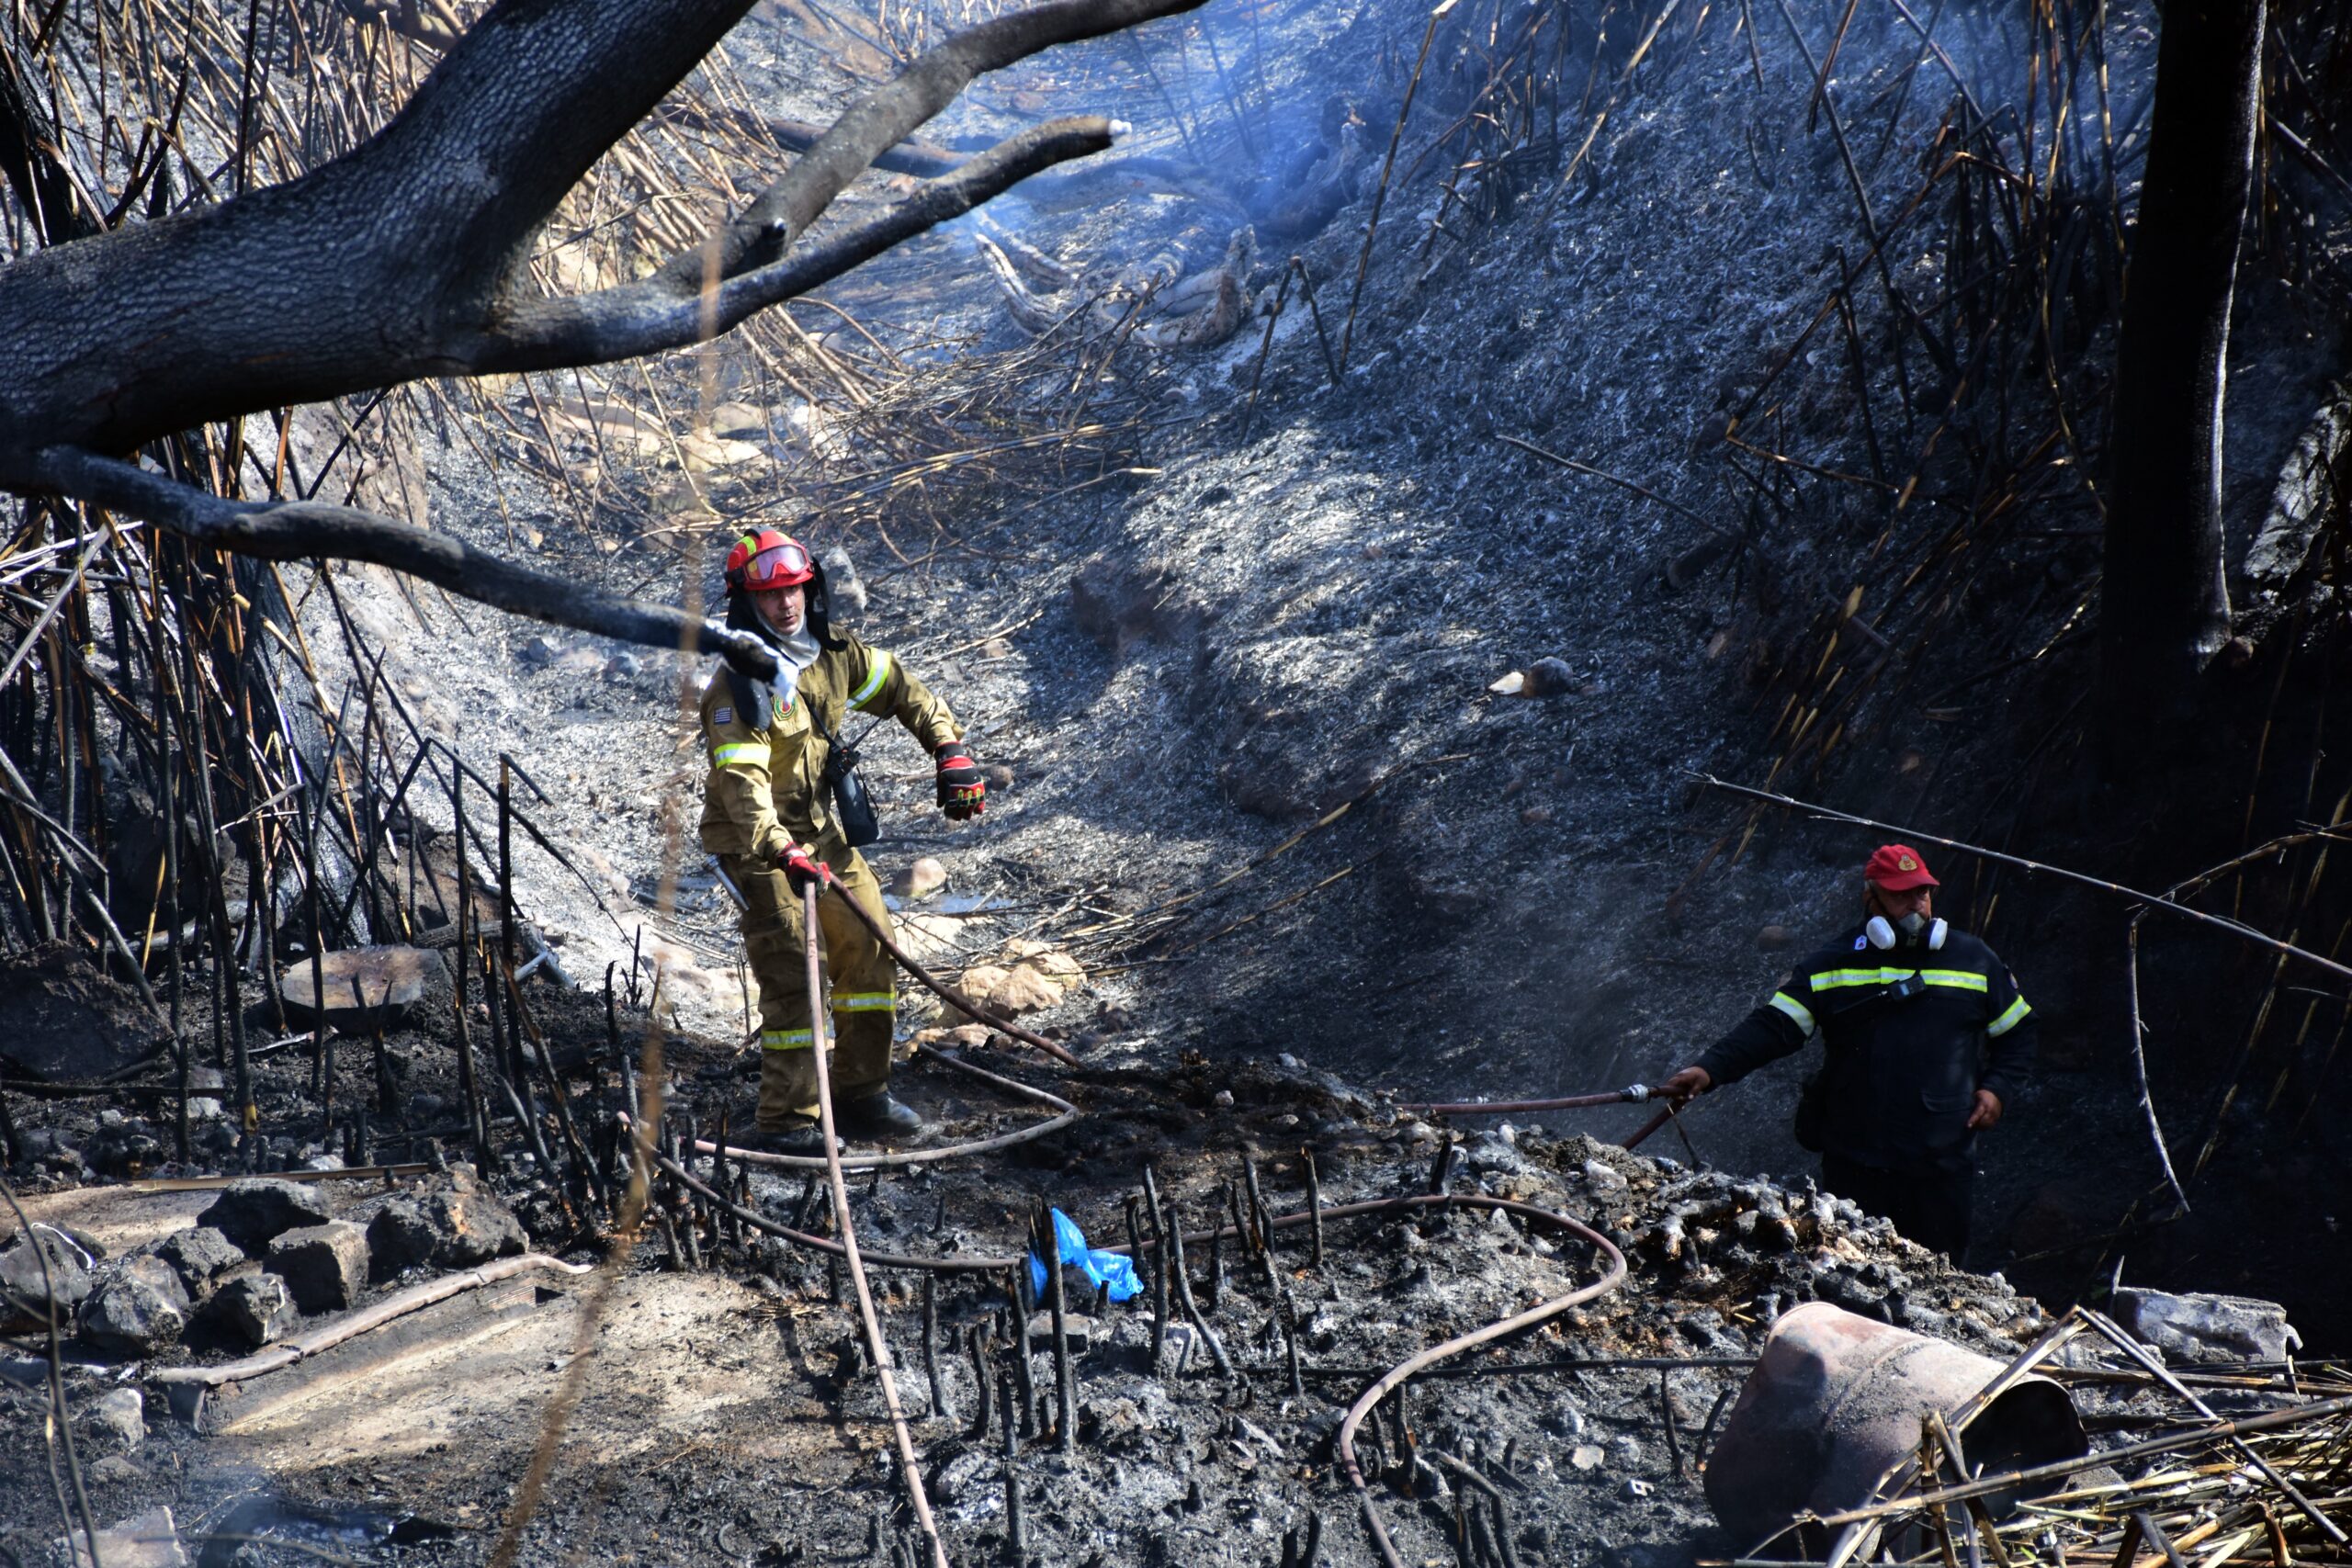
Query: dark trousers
{"type": "Point", "coordinates": [1928, 1202]}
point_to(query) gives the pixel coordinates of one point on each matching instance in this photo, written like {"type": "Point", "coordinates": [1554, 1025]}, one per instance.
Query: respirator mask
{"type": "Point", "coordinates": [1913, 929]}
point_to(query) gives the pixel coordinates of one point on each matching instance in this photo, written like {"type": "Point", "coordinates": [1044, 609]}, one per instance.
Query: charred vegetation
{"type": "Point", "coordinates": [1369, 509]}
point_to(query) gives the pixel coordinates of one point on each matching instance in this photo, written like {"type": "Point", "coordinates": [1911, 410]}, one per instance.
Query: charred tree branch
{"type": "Point", "coordinates": [303, 530]}
{"type": "Point", "coordinates": [407, 257]}
{"type": "Point", "coordinates": [883, 117]}
{"type": "Point", "coordinates": [654, 316]}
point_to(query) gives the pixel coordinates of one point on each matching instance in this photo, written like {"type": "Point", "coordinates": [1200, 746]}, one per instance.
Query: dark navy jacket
{"type": "Point", "coordinates": [1908, 1035]}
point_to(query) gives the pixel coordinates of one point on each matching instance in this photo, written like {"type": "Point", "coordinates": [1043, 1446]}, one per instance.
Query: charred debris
{"type": "Point", "coordinates": [338, 1207]}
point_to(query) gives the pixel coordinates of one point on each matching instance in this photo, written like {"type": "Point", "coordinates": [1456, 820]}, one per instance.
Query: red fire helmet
{"type": "Point", "coordinates": [767, 558]}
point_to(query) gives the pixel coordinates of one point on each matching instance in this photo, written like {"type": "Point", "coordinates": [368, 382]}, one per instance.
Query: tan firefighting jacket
{"type": "Point", "coordinates": [765, 793]}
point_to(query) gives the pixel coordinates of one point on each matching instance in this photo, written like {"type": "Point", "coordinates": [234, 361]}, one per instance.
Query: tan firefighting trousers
{"type": "Point", "coordinates": [858, 974]}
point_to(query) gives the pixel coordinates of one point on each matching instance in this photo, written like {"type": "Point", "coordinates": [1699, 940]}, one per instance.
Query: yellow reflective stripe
{"type": "Point", "coordinates": [1795, 1008]}
{"type": "Point", "coordinates": [787, 1038]}
{"type": "Point", "coordinates": [2011, 1016]}
{"type": "Point", "coordinates": [876, 673]}
{"type": "Point", "coordinates": [1958, 979]}
{"type": "Point", "coordinates": [742, 753]}
{"type": "Point", "coordinates": [863, 1001]}
{"type": "Point", "coordinates": [1832, 979]}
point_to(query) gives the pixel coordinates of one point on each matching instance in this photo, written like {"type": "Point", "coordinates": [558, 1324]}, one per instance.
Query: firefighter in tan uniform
{"type": "Point", "coordinates": [768, 819]}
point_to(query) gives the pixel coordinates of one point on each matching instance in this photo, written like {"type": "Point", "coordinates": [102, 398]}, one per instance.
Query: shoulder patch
{"type": "Point", "coordinates": [1860, 942]}
{"type": "Point", "coordinates": [722, 716]}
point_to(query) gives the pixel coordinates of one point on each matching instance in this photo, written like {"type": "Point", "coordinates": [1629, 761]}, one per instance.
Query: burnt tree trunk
{"type": "Point", "coordinates": [407, 257]}
{"type": "Point", "coordinates": [2165, 597]}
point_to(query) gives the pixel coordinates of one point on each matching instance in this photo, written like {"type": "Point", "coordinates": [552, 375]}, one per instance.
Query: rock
{"type": "Point", "coordinates": [51, 1148]}
{"type": "Point", "coordinates": [119, 1416]}
{"type": "Point", "coordinates": [1019, 990]}
{"type": "Point", "coordinates": [138, 1307]}
{"type": "Point", "coordinates": [124, 1146]}
{"type": "Point", "coordinates": [704, 451]}
{"type": "Point", "coordinates": [401, 1236]}
{"type": "Point", "coordinates": [1771, 939]}
{"type": "Point", "coordinates": [842, 579]}
{"type": "Point", "coordinates": [1587, 1456]}
{"type": "Point", "coordinates": [740, 421]}
{"type": "Point", "coordinates": [63, 1017]}
{"type": "Point", "coordinates": [199, 1256]}
{"type": "Point", "coordinates": [1046, 959]}
{"type": "Point", "coordinates": [539, 650]}
{"type": "Point", "coordinates": [1114, 1425]}
{"type": "Point", "coordinates": [1544, 678]}
{"type": "Point", "coordinates": [325, 1266]}
{"type": "Point", "coordinates": [144, 1541]}
{"type": "Point", "coordinates": [456, 1229]}
{"type": "Point", "coordinates": [257, 1308]}
{"type": "Point", "coordinates": [1635, 1487]}
{"type": "Point", "coordinates": [1604, 1177]}
{"type": "Point", "coordinates": [1077, 1327]}
{"type": "Point", "coordinates": [920, 880]}
{"type": "Point", "coordinates": [252, 1213]}
{"type": "Point", "coordinates": [2207, 1327]}
{"type": "Point", "coordinates": [475, 1227]}
{"type": "Point", "coordinates": [969, 1476]}
{"type": "Point", "coordinates": [20, 1274]}
{"type": "Point", "coordinates": [1489, 1152]}
{"type": "Point", "coordinates": [114, 1469]}
{"type": "Point", "coordinates": [366, 988]}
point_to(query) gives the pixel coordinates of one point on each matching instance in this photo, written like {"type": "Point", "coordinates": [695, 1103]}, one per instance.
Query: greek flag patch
{"type": "Point", "coordinates": [722, 716]}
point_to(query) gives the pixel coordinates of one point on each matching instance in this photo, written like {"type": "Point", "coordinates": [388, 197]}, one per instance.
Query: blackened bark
{"type": "Point", "coordinates": [305, 530]}
{"type": "Point", "coordinates": [29, 162]}
{"type": "Point", "coordinates": [405, 258]}
{"type": "Point", "coordinates": [2165, 602]}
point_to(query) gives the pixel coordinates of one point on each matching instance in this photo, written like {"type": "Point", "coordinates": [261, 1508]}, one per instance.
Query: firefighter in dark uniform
{"type": "Point", "coordinates": [770, 819]}
{"type": "Point", "coordinates": [1925, 1040]}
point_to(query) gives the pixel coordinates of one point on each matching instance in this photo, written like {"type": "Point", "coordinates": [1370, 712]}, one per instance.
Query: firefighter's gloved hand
{"type": "Point", "coordinates": [963, 793]}
{"type": "Point", "coordinates": [1682, 1086]}
{"type": "Point", "coordinates": [800, 872]}
{"type": "Point", "coordinates": [1985, 1113]}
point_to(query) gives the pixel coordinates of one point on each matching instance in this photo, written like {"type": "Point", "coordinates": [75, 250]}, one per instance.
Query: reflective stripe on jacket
{"type": "Point", "coordinates": [1908, 1037]}
{"type": "Point", "coordinates": [765, 793]}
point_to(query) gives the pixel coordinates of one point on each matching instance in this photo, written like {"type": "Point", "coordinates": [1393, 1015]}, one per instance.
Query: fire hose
{"type": "Point", "coordinates": [1345, 1442]}
{"type": "Point", "coordinates": [1633, 1094]}
{"type": "Point", "coordinates": [1063, 1111]}
{"type": "Point", "coordinates": [877, 1345]}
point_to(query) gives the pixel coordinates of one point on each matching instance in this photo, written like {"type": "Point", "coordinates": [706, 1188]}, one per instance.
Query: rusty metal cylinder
{"type": "Point", "coordinates": [1835, 1401]}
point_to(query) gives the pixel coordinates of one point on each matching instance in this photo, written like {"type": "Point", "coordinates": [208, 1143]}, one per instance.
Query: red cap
{"type": "Point", "coordinates": [1898, 869]}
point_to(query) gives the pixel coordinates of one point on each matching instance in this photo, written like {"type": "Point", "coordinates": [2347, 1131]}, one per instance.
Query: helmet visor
{"type": "Point", "coordinates": [778, 566]}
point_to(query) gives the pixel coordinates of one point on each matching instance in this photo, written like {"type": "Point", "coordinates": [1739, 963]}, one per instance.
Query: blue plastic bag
{"type": "Point", "coordinates": [1112, 1269]}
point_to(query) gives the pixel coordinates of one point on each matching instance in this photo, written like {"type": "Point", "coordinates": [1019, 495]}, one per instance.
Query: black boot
{"type": "Point", "coordinates": [805, 1140]}
{"type": "Point", "coordinates": [879, 1116]}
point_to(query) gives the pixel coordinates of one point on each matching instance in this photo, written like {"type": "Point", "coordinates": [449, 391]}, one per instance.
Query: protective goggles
{"type": "Point", "coordinates": [778, 566]}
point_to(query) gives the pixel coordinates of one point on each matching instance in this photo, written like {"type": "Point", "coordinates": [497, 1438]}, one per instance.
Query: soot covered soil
{"type": "Point", "coordinates": [729, 1415]}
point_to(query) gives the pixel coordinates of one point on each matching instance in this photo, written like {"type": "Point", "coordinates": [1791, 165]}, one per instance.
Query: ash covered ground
{"type": "Point", "coordinates": [731, 1415]}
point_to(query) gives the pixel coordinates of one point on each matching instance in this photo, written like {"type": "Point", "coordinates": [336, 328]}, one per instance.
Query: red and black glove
{"type": "Point", "coordinates": [963, 793]}
{"type": "Point", "coordinates": [799, 870]}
